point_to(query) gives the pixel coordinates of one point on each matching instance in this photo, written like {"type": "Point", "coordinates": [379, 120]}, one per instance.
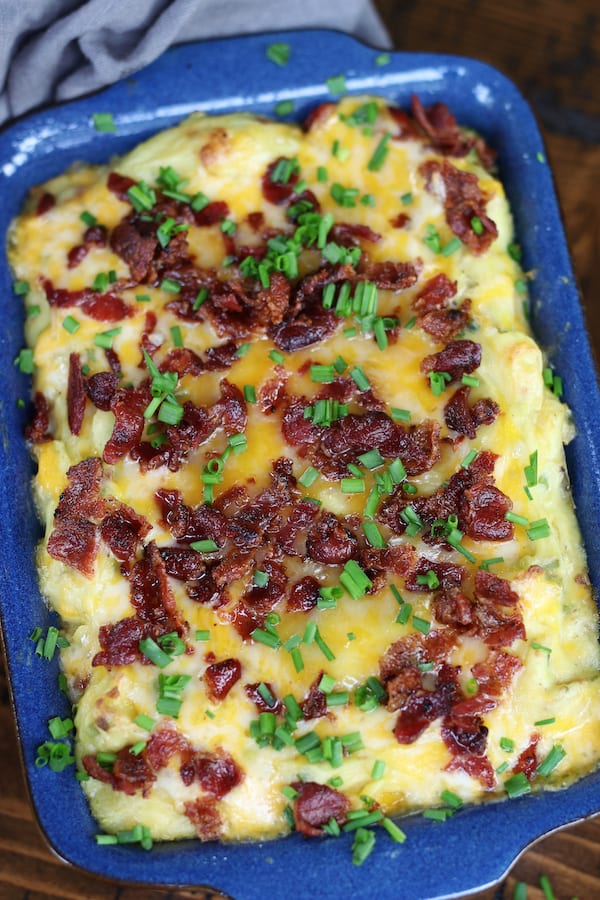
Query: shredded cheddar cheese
{"type": "Point", "coordinates": [203, 240]}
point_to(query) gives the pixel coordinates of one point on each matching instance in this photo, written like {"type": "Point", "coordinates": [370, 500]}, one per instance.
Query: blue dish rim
{"type": "Point", "coordinates": [436, 861]}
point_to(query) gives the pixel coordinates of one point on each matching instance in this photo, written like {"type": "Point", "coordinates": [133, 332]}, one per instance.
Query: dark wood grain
{"type": "Point", "coordinates": [552, 51]}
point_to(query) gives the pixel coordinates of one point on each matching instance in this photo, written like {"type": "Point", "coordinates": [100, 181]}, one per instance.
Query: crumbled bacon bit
{"type": "Point", "coordinates": [391, 276]}
{"type": "Point", "coordinates": [102, 307]}
{"type": "Point", "coordinates": [482, 513]}
{"type": "Point", "coordinates": [119, 185]}
{"type": "Point", "coordinates": [458, 358]}
{"type": "Point", "coordinates": [400, 220]}
{"type": "Point", "coordinates": [205, 817]}
{"type": "Point", "coordinates": [434, 294]}
{"type": "Point", "coordinates": [314, 704]}
{"type": "Point", "coordinates": [318, 116]}
{"type": "Point", "coordinates": [119, 642]}
{"type": "Point", "coordinates": [330, 542]}
{"type": "Point", "coordinates": [315, 805]}
{"type": "Point", "coordinates": [217, 772]}
{"type": "Point", "coordinates": [351, 234]}
{"type": "Point", "coordinates": [463, 201]}
{"type": "Point", "coordinates": [446, 324]}
{"type": "Point", "coordinates": [45, 203]}
{"type": "Point", "coordinates": [278, 192]}
{"type": "Point", "coordinates": [212, 213]}
{"type": "Point", "coordinates": [123, 530]}
{"type": "Point", "coordinates": [272, 391]}
{"type": "Point", "coordinates": [182, 563]}
{"type": "Point", "coordinates": [101, 388]}
{"type": "Point", "coordinates": [221, 676]}
{"type": "Point", "coordinates": [151, 594]}
{"type": "Point", "coordinates": [527, 761]}
{"type": "Point", "coordinates": [135, 245]}
{"type": "Point", "coordinates": [304, 594]}
{"type": "Point", "coordinates": [446, 136]}
{"type": "Point", "coordinates": [75, 395]}
{"type": "Point", "coordinates": [465, 419]}
{"type": "Point", "coordinates": [259, 701]}
{"type": "Point", "coordinates": [127, 405]}
{"type": "Point", "coordinates": [37, 430]}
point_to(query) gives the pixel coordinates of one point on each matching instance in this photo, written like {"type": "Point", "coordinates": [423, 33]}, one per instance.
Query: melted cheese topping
{"type": "Point", "coordinates": [225, 158]}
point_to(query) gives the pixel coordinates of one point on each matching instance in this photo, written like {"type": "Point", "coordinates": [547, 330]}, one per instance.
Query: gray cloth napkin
{"type": "Point", "coordinates": [59, 49]}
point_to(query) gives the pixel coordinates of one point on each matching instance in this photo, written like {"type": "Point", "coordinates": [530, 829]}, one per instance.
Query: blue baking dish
{"type": "Point", "coordinates": [475, 848]}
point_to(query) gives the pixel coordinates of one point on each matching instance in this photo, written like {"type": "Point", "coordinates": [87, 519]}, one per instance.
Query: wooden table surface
{"type": "Point", "coordinates": [552, 51]}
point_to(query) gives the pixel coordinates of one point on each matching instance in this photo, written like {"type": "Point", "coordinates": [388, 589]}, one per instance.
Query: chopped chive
{"type": "Point", "coordinates": [228, 227]}
{"type": "Point", "coordinates": [323, 647]}
{"type": "Point", "coordinates": [176, 336]}
{"type": "Point", "coordinates": [451, 799]}
{"type": "Point", "coordinates": [382, 59]}
{"type": "Point", "coordinates": [260, 579]}
{"type": "Point", "coordinates": [360, 379]}
{"type": "Point", "coordinates": [466, 462]}
{"type": "Point", "coordinates": [517, 785]}
{"type": "Point", "coordinates": [338, 698]}
{"type": "Point", "coordinates": [284, 108]}
{"type": "Point", "coordinates": [202, 634]}
{"type": "Point", "coordinates": [518, 520]}
{"type": "Point", "coordinates": [437, 815]}
{"type": "Point", "coordinates": [542, 722]}
{"type": "Point", "coordinates": [33, 311]}
{"type": "Point", "coordinates": [200, 298]}
{"type": "Point", "coordinates": [550, 762]}
{"type": "Point", "coordinates": [507, 744]}
{"type": "Point", "coordinates": [352, 485]}
{"type": "Point", "coordinates": [277, 357]}
{"type": "Point", "coordinates": [536, 646]}
{"type": "Point", "coordinates": [249, 393]}
{"type": "Point", "coordinates": [322, 374]}
{"type": "Point", "coordinates": [322, 174]}
{"type": "Point", "coordinates": [354, 580]}
{"type": "Point", "coordinates": [430, 580]}
{"type": "Point", "coordinates": [145, 722]}
{"type": "Point", "coordinates": [104, 122]}
{"type": "Point", "coordinates": [336, 84]}
{"type": "Point", "coordinates": [279, 53]}
{"type": "Point", "coordinates": [141, 196]}
{"type": "Point", "coordinates": [502, 768]}
{"type": "Point", "coordinates": [266, 638]}
{"type": "Point", "coordinates": [71, 324]}
{"type": "Point", "coordinates": [153, 652]}
{"type": "Point", "coordinates": [361, 821]}
{"type": "Point", "coordinates": [142, 298]}
{"type": "Point", "coordinates": [538, 530]}
{"type": "Point", "coordinates": [451, 247]}
{"type": "Point", "coordinates": [378, 769]}
{"type": "Point", "coordinates": [470, 380]}
{"type": "Point", "coordinates": [380, 153]}
{"type": "Point", "coordinates": [207, 546]}
{"type": "Point", "coordinates": [521, 286]}
{"type": "Point", "coordinates": [172, 287]}
{"type": "Point", "coordinates": [137, 748]}
{"type": "Point", "coordinates": [438, 382]}
{"type": "Point", "coordinates": [486, 563]}
{"type": "Point", "coordinates": [421, 625]}
{"type": "Point", "coordinates": [396, 834]}
{"type": "Point", "coordinates": [362, 846]}
{"type": "Point", "coordinates": [373, 535]}
{"type": "Point", "coordinates": [21, 288]}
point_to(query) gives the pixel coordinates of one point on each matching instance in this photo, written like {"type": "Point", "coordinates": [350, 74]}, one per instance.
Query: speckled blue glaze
{"type": "Point", "coordinates": [477, 846]}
